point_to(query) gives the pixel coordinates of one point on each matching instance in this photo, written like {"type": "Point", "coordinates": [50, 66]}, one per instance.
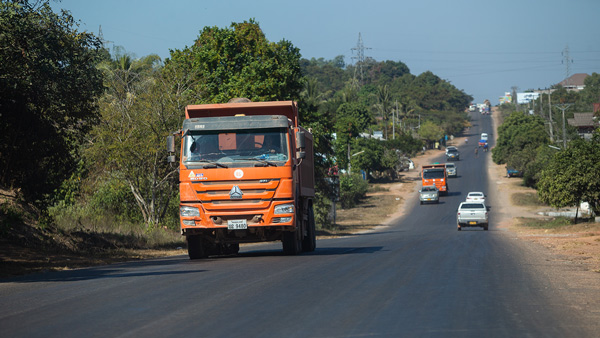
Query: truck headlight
{"type": "Point", "coordinates": [284, 209]}
{"type": "Point", "coordinates": [186, 211]}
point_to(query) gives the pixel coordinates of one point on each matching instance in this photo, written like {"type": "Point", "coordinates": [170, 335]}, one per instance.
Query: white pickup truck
{"type": "Point", "coordinates": [472, 214]}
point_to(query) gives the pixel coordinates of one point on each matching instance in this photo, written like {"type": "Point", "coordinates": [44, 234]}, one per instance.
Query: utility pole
{"type": "Point", "coordinates": [394, 121]}
{"type": "Point", "coordinates": [394, 124]}
{"type": "Point", "coordinates": [550, 116]}
{"type": "Point", "coordinates": [349, 164]}
{"type": "Point", "coordinates": [563, 107]}
{"type": "Point", "coordinates": [360, 50]}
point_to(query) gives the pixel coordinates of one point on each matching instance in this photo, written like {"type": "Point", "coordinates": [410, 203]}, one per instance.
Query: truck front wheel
{"type": "Point", "coordinates": [196, 250]}
{"type": "Point", "coordinates": [291, 244]}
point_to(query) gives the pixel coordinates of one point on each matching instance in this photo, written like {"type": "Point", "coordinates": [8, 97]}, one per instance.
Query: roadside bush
{"type": "Point", "coordinates": [10, 217]}
{"type": "Point", "coordinates": [322, 208]}
{"type": "Point", "coordinates": [352, 189]}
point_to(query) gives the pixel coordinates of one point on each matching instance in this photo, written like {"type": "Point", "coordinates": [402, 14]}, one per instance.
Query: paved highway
{"type": "Point", "coordinates": [418, 277]}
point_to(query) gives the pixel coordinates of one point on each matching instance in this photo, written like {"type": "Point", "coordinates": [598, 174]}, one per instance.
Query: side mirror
{"type": "Point", "coordinates": [170, 144]}
{"type": "Point", "coordinates": [300, 143]}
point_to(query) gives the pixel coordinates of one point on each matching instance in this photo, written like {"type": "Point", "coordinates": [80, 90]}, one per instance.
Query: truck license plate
{"type": "Point", "coordinates": [472, 222]}
{"type": "Point", "coordinates": [237, 224]}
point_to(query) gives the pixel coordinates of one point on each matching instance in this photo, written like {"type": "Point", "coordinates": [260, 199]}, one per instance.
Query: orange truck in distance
{"type": "Point", "coordinates": [246, 174]}
{"type": "Point", "coordinates": [435, 174]}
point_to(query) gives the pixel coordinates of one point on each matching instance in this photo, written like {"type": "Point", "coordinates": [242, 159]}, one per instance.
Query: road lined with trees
{"type": "Point", "coordinates": [83, 127]}
{"type": "Point", "coordinates": [416, 277]}
{"type": "Point", "coordinates": [103, 116]}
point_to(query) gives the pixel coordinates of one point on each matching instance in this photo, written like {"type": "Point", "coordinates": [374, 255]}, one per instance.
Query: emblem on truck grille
{"type": "Point", "coordinates": [235, 193]}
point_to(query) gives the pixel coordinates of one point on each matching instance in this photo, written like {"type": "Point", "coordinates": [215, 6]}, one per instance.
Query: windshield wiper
{"type": "Point", "coordinates": [263, 161]}
{"type": "Point", "coordinates": [214, 164]}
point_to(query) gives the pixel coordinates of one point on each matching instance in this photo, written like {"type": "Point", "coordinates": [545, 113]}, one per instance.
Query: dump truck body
{"type": "Point", "coordinates": [246, 174]}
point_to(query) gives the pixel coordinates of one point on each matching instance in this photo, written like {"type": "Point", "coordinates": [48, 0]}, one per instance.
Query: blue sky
{"type": "Point", "coordinates": [483, 47]}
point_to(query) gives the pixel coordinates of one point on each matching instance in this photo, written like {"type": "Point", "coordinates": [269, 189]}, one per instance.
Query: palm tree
{"type": "Point", "coordinates": [384, 106]}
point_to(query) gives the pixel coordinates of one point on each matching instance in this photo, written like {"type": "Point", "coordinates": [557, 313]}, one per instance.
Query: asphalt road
{"type": "Point", "coordinates": [420, 277]}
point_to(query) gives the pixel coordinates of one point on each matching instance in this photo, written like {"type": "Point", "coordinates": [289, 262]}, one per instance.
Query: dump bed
{"type": "Point", "coordinates": [285, 108]}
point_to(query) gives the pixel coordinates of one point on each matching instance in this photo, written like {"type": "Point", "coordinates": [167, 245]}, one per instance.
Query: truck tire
{"type": "Point", "coordinates": [485, 226]}
{"type": "Point", "coordinates": [195, 246]}
{"type": "Point", "coordinates": [309, 243]}
{"type": "Point", "coordinates": [291, 244]}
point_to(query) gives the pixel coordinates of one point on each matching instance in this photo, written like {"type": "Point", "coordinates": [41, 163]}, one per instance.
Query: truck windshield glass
{"type": "Point", "coordinates": [240, 148]}
{"type": "Point", "coordinates": [433, 174]}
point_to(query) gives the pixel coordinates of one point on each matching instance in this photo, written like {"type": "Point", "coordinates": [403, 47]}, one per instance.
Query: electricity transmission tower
{"type": "Point", "coordinates": [567, 62]}
{"type": "Point", "coordinates": [360, 51]}
{"type": "Point", "coordinates": [101, 38]}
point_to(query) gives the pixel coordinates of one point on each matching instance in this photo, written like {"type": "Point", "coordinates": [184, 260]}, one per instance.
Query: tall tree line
{"type": "Point", "coordinates": [83, 129]}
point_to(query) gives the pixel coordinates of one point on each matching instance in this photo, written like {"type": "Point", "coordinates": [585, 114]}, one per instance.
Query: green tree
{"type": "Point", "coordinates": [430, 132]}
{"type": "Point", "coordinates": [240, 62]}
{"type": "Point", "coordinates": [591, 93]}
{"type": "Point", "coordinates": [352, 189]}
{"type": "Point", "coordinates": [49, 84]}
{"type": "Point", "coordinates": [142, 105]}
{"type": "Point", "coordinates": [573, 175]}
{"type": "Point", "coordinates": [377, 156]}
{"type": "Point", "coordinates": [351, 120]}
{"type": "Point", "coordinates": [519, 137]}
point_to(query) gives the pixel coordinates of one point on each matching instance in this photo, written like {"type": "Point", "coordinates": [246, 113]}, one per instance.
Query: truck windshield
{"type": "Point", "coordinates": [433, 173]}
{"type": "Point", "coordinates": [240, 148]}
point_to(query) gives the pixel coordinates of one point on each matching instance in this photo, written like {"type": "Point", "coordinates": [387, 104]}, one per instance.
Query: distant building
{"type": "Point", "coordinates": [574, 82]}
{"type": "Point", "coordinates": [585, 124]}
{"type": "Point", "coordinates": [507, 98]}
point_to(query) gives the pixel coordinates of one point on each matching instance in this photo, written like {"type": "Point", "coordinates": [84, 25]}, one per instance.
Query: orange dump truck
{"type": "Point", "coordinates": [246, 174]}
{"type": "Point", "coordinates": [435, 174]}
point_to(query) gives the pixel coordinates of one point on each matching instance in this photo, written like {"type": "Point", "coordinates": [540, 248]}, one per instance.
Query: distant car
{"type": "Point", "coordinates": [429, 193]}
{"type": "Point", "coordinates": [405, 164]}
{"type": "Point", "coordinates": [451, 170]}
{"type": "Point", "coordinates": [472, 214]}
{"type": "Point", "coordinates": [475, 196]}
{"type": "Point", "coordinates": [452, 154]}
{"type": "Point", "coordinates": [484, 136]}
{"type": "Point", "coordinates": [449, 148]}
{"type": "Point", "coordinates": [512, 172]}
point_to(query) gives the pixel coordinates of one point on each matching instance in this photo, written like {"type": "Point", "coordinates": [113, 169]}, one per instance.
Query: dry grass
{"type": "Point", "coordinates": [526, 199]}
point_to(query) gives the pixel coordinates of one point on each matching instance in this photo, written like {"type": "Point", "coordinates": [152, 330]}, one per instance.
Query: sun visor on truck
{"type": "Point", "coordinates": [235, 123]}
